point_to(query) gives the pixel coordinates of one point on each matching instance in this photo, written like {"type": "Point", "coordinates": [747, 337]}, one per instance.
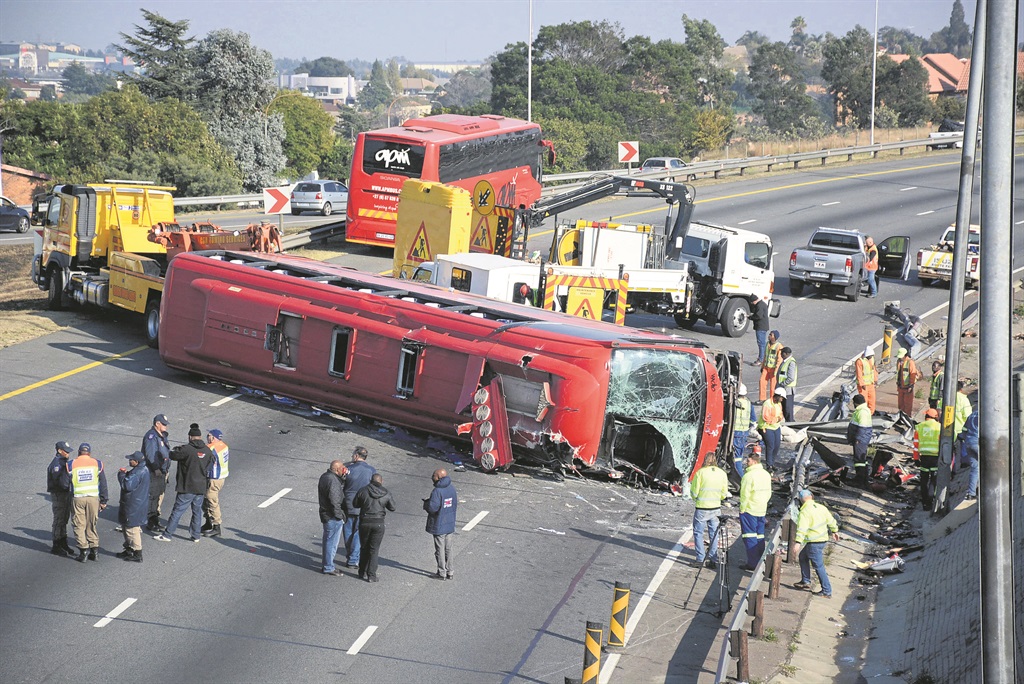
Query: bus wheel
{"type": "Point", "coordinates": [55, 290]}
{"type": "Point", "coordinates": [153, 323]}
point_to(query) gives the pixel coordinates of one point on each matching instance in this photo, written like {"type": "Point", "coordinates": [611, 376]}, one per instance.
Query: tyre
{"type": "Point", "coordinates": [296, 212]}
{"type": "Point", "coordinates": [153, 323]}
{"type": "Point", "coordinates": [684, 321]}
{"type": "Point", "coordinates": [796, 287]}
{"type": "Point", "coordinates": [55, 290]}
{"type": "Point", "coordinates": [855, 294]}
{"type": "Point", "coordinates": [326, 211]}
{"type": "Point", "coordinates": [23, 224]}
{"type": "Point", "coordinates": [927, 282]}
{"type": "Point", "coordinates": [735, 318]}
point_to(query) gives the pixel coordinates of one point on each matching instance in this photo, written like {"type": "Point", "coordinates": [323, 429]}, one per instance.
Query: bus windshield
{"type": "Point", "coordinates": [385, 156]}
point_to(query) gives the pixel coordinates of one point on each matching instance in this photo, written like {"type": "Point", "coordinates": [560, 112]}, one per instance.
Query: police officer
{"type": "Point", "coordinates": [218, 473]}
{"type": "Point", "coordinates": [926, 453]}
{"type": "Point", "coordinates": [157, 451]}
{"type": "Point", "coordinates": [89, 489]}
{"type": "Point", "coordinates": [858, 435]}
{"type": "Point", "coordinates": [709, 486]}
{"type": "Point", "coordinates": [134, 504]}
{"type": "Point", "coordinates": [59, 488]}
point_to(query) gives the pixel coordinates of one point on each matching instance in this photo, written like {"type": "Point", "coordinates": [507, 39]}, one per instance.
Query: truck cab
{"type": "Point", "coordinates": [488, 275]}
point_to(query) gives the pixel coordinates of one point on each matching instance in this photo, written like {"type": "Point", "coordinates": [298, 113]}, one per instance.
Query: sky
{"type": "Point", "coordinates": [431, 31]}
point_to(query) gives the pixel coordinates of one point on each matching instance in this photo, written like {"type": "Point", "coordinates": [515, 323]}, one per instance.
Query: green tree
{"type": "Point", "coordinates": [308, 136]}
{"type": "Point", "coordinates": [779, 91]}
{"type": "Point", "coordinates": [707, 48]}
{"type": "Point", "coordinates": [48, 93]}
{"type": "Point", "coordinates": [378, 90]}
{"type": "Point", "coordinates": [713, 129]}
{"type": "Point", "coordinates": [80, 81]}
{"type": "Point", "coordinates": [1020, 94]}
{"type": "Point", "coordinates": [164, 52]}
{"type": "Point", "coordinates": [338, 162]}
{"type": "Point", "coordinates": [902, 87]}
{"type": "Point", "coordinates": [753, 39]}
{"type": "Point", "coordinates": [798, 39]}
{"type": "Point", "coordinates": [466, 89]}
{"type": "Point", "coordinates": [508, 81]}
{"type": "Point", "coordinates": [955, 37]}
{"type": "Point", "coordinates": [952, 107]}
{"type": "Point", "coordinates": [898, 41]}
{"type": "Point", "coordinates": [410, 70]}
{"type": "Point", "coordinates": [847, 72]}
{"type": "Point", "coordinates": [394, 76]}
{"type": "Point", "coordinates": [324, 67]}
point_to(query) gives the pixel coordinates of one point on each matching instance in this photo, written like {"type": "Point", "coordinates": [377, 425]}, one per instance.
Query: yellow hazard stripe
{"type": "Point", "coordinates": [378, 214]}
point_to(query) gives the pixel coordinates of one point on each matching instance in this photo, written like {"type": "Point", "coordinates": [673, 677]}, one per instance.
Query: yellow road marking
{"type": "Point", "coordinates": [69, 373]}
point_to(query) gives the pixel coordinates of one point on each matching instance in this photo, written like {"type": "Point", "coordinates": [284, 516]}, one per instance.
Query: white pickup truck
{"type": "Point", "coordinates": [935, 262]}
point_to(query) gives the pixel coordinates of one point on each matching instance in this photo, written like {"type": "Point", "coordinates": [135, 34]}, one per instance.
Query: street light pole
{"type": "Point", "coordinates": [529, 70]}
{"type": "Point", "coordinates": [874, 69]}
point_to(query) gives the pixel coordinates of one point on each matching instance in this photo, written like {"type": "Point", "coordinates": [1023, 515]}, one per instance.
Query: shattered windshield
{"type": "Point", "coordinates": [666, 389]}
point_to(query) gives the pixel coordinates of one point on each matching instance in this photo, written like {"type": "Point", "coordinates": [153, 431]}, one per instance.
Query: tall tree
{"type": "Point", "coordinates": [467, 88]}
{"type": "Point", "coordinates": [707, 48]}
{"type": "Point", "coordinates": [164, 52]}
{"type": "Point", "coordinates": [753, 39]}
{"type": "Point", "coordinates": [780, 91]}
{"type": "Point", "coordinates": [847, 72]}
{"type": "Point", "coordinates": [80, 81]}
{"type": "Point", "coordinates": [798, 39]}
{"type": "Point", "coordinates": [378, 90]}
{"type": "Point", "coordinates": [324, 67]}
{"type": "Point", "coordinates": [308, 138]}
{"type": "Point", "coordinates": [394, 76]}
{"type": "Point", "coordinates": [902, 87]}
{"type": "Point", "coordinates": [955, 37]}
{"type": "Point", "coordinates": [508, 81]}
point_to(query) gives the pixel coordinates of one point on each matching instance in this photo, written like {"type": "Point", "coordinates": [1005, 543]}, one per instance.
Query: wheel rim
{"type": "Point", "coordinates": [153, 323]}
{"type": "Point", "coordinates": [327, 209]}
{"type": "Point", "coordinates": [739, 319]}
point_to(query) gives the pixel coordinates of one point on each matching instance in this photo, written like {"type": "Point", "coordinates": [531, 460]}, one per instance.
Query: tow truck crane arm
{"type": "Point", "coordinates": [606, 186]}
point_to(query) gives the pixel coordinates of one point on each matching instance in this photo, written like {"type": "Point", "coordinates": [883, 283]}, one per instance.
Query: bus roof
{"type": "Point", "coordinates": [452, 127]}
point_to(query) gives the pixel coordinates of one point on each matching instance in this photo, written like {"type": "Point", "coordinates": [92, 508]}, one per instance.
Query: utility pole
{"type": "Point", "coordinates": [529, 69]}
{"type": "Point", "coordinates": [874, 68]}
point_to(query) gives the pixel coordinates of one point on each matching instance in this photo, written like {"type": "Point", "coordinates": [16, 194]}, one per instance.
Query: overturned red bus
{"type": "Point", "coordinates": [520, 382]}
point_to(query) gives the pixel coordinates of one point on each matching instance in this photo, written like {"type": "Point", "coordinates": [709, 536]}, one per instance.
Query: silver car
{"type": "Point", "coordinates": [323, 196]}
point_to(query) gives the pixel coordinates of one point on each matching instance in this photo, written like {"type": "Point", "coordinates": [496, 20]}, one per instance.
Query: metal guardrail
{"type": "Point", "coordinates": [307, 237]}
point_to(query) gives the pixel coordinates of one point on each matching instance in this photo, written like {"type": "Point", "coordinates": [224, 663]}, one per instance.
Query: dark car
{"type": "Point", "coordinates": [323, 196]}
{"type": "Point", "coordinates": [12, 217]}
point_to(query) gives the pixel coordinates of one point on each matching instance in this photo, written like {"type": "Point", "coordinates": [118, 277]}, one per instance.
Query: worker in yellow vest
{"type": "Point", "coordinates": [89, 489]}
{"type": "Point", "coordinates": [867, 378]}
{"type": "Point", "coordinates": [770, 426]}
{"type": "Point", "coordinates": [743, 421]}
{"type": "Point", "coordinates": [935, 389]}
{"type": "Point", "coordinates": [708, 488]}
{"type": "Point", "coordinates": [926, 453]}
{"type": "Point", "coordinates": [787, 376]}
{"type": "Point", "coordinates": [814, 525]}
{"type": "Point", "coordinates": [755, 492]}
{"type": "Point", "coordinates": [770, 366]}
{"type": "Point", "coordinates": [858, 435]}
{"type": "Point", "coordinates": [907, 376]}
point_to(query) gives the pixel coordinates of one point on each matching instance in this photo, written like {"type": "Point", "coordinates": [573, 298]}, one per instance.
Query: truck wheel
{"type": "Point", "coordinates": [927, 282]}
{"type": "Point", "coordinates": [796, 287]}
{"type": "Point", "coordinates": [153, 323]}
{"type": "Point", "coordinates": [735, 318]}
{"type": "Point", "coordinates": [22, 225]}
{"type": "Point", "coordinates": [55, 290]}
{"type": "Point", "coordinates": [327, 209]}
{"type": "Point", "coordinates": [684, 321]}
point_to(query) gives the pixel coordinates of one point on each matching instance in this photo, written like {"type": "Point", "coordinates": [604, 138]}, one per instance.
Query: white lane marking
{"type": "Point", "coordinates": [361, 641]}
{"type": "Point", "coordinates": [925, 213]}
{"type": "Point", "coordinates": [476, 519]}
{"type": "Point", "coordinates": [121, 607]}
{"type": "Point", "coordinates": [829, 204]}
{"type": "Point", "coordinates": [275, 497]}
{"type": "Point", "coordinates": [743, 223]}
{"type": "Point", "coordinates": [1018, 223]}
{"type": "Point", "coordinates": [225, 400]}
{"type": "Point", "coordinates": [634, 619]}
{"type": "Point", "coordinates": [912, 187]}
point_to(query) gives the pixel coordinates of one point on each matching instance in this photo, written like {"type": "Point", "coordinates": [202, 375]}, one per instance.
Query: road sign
{"type": "Point", "coordinates": [277, 200]}
{"type": "Point", "coordinates": [629, 151]}
{"type": "Point", "coordinates": [585, 302]}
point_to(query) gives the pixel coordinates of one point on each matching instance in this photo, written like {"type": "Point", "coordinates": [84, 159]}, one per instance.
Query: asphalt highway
{"type": "Point", "coordinates": [535, 558]}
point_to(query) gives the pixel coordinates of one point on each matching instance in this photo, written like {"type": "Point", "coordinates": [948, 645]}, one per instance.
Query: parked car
{"type": "Point", "coordinates": [12, 217]}
{"type": "Point", "coordinates": [671, 164]}
{"type": "Point", "coordinates": [323, 196]}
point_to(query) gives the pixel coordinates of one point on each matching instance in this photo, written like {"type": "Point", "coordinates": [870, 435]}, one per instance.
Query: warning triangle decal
{"type": "Point", "coordinates": [419, 251]}
{"type": "Point", "coordinates": [481, 241]}
{"type": "Point", "coordinates": [584, 310]}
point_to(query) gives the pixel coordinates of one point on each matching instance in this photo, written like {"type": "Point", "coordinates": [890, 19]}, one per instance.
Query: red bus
{"type": "Point", "coordinates": [495, 158]}
{"type": "Point", "coordinates": [519, 382]}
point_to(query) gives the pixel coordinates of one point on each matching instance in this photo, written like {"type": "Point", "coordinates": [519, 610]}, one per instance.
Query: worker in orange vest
{"type": "Point", "coordinates": [770, 366]}
{"type": "Point", "coordinates": [867, 377]}
{"type": "Point", "coordinates": [89, 489]}
{"type": "Point", "coordinates": [871, 266]}
{"type": "Point", "coordinates": [770, 426]}
{"type": "Point", "coordinates": [907, 375]}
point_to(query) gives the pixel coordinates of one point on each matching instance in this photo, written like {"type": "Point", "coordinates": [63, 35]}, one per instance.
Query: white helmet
{"type": "Point", "coordinates": [743, 390]}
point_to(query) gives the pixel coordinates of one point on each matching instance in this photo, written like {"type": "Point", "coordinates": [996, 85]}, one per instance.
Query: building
{"type": "Point", "coordinates": [21, 184]}
{"type": "Point", "coordinates": [336, 89]}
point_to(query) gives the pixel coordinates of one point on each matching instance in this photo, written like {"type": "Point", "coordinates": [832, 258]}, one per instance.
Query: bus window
{"type": "Point", "coordinates": [400, 158]}
{"type": "Point", "coordinates": [340, 351]}
{"type": "Point", "coordinates": [407, 367]}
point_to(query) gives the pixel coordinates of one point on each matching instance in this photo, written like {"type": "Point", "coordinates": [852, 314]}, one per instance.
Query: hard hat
{"type": "Point", "coordinates": [931, 413]}
{"type": "Point", "coordinates": [901, 353]}
{"type": "Point", "coordinates": [868, 351]}
{"type": "Point", "coordinates": [780, 391]}
{"type": "Point", "coordinates": [743, 390]}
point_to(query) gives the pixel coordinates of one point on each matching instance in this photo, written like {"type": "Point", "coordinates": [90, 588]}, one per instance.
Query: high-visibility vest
{"type": "Point", "coordinates": [85, 476]}
{"type": "Point", "coordinates": [871, 263]}
{"type": "Point", "coordinates": [710, 485]}
{"type": "Point", "coordinates": [788, 372]}
{"type": "Point", "coordinates": [755, 490]}
{"type": "Point", "coordinates": [219, 467]}
{"type": "Point", "coordinates": [936, 388]}
{"type": "Point", "coordinates": [926, 438]}
{"type": "Point", "coordinates": [861, 416]}
{"type": "Point", "coordinates": [865, 371]}
{"type": "Point", "coordinates": [741, 419]}
{"type": "Point", "coordinates": [961, 411]}
{"type": "Point", "coordinates": [771, 355]}
{"type": "Point", "coordinates": [906, 373]}
{"type": "Point", "coordinates": [771, 416]}
{"type": "Point", "coordinates": [814, 523]}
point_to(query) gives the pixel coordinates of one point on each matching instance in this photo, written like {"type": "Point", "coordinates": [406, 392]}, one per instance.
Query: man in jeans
{"type": "Point", "coordinates": [358, 474]}
{"type": "Point", "coordinates": [709, 486]}
{"type": "Point", "coordinates": [194, 461]}
{"type": "Point", "coordinates": [971, 453]}
{"type": "Point", "coordinates": [332, 513]}
{"type": "Point", "coordinates": [441, 508]}
{"type": "Point", "coordinates": [759, 319]}
{"type": "Point", "coordinates": [814, 525]}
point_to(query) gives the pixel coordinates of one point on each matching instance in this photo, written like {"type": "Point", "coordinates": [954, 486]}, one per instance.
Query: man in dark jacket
{"type": "Point", "coordinates": [59, 489]}
{"type": "Point", "coordinates": [331, 493]}
{"type": "Point", "coordinates": [440, 508]}
{"type": "Point", "coordinates": [134, 507]}
{"type": "Point", "coordinates": [358, 476]}
{"type": "Point", "coordinates": [373, 502]}
{"type": "Point", "coordinates": [759, 318]}
{"type": "Point", "coordinates": [157, 451]}
{"type": "Point", "coordinates": [194, 461]}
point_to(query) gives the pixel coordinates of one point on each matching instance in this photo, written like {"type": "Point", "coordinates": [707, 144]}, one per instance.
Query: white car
{"type": "Point", "coordinates": [322, 196]}
{"type": "Point", "coordinates": [671, 164]}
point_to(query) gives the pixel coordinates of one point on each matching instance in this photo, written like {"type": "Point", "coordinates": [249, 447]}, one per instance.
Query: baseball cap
{"type": "Point", "coordinates": [777, 334]}
{"type": "Point", "coordinates": [216, 434]}
{"type": "Point", "coordinates": [161, 418]}
{"type": "Point", "coordinates": [137, 456]}
{"type": "Point", "coordinates": [84, 448]}
{"type": "Point", "coordinates": [63, 446]}
{"type": "Point", "coordinates": [780, 391]}
{"type": "Point", "coordinates": [804, 493]}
